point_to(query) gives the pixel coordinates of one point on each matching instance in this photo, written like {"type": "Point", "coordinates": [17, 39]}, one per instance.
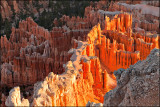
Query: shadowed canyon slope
{"type": "Point", "coordinates": [85, 59]}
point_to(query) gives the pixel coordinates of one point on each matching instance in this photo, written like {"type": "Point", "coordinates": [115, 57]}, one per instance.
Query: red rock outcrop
{"type": "Point", "coordinates": [5, 10]}
{"type": "Point", "coordinates": [73, 87]}
{"type": "Point", "coordinates": [9, 8]}
{"type": "Point", "coordinates": [33, 52]}
{"type": "Point", "coordinates": [123, 51]}
{"type": "Point", "coordinates": [92, 83]}
{"type": "Point", "coordinates": [137, 85]}
{"type": "Point", "coordinates": [146, 16]}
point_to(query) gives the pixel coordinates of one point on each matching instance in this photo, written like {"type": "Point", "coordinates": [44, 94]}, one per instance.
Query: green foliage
{"type": "Point", "coordinates": [50, 4]}
{"type": "Point", "coordinates": [70, 8]}
{"type": "Point", "coordinates": [60, 8]}
{"type": "Point", "coordinates": [12, 9]}
{"type": "Point", "coordinates": [1, 23]}
{"type": "Point", "coordinates": [1, 19]}
{"type": "Point", "coordinates": [45, 20]}
{"type": "Point", "coordinates": [7, 28]}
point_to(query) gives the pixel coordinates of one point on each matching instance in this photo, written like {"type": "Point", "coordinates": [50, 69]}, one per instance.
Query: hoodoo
{"type": "Point", "coordinates": [109, 57]}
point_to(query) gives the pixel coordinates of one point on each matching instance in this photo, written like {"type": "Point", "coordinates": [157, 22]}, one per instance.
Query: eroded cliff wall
{"type": "Point", "coordinates": [85, 72]}
{"type": "Point", "coordinates": [96, 79]}
{"type": "Point", "coordinates": [137, 85]}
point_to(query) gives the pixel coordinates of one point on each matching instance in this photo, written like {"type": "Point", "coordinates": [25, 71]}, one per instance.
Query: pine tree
{"type": "Point", "coordinates": [7, 28]}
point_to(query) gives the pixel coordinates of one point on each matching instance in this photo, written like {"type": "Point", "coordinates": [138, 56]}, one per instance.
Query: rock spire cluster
{"type": "Point", "coordinates": [106, 57]}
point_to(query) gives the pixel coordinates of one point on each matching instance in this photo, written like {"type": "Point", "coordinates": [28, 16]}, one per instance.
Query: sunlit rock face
{"type": "Point", "coordinates": [138, 85]}
{"type": "Point", "coordinates": [15, 98]}
{"type": "Point", "coordinates": [145, 13]}
{"type": "Point", "coordinates": [76, 64]}
{"type": "Point", "coordinates": [32, 52]}
{"type": "Point", "coordinates": [87, 77]}
{"type": "Point", "coordinates": [76, 86]}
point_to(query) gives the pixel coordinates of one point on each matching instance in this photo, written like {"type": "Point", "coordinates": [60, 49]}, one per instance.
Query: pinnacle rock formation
{"type": "Point", "coordinates": [102, 82]}
{"type": "Point", "coordinates": [32, 52]}
{"type": "Point", "coordinates": [58, 90]}
{"type": "Point", "coordinates": [88, 60]}
{"type": "Point", "coordinates": [15, 98]}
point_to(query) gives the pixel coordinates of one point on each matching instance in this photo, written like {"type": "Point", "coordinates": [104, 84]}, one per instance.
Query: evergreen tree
{"type": "Point", "coordinates": [1, 23]}
{"type": "Point", "coordinates": [7, 28]}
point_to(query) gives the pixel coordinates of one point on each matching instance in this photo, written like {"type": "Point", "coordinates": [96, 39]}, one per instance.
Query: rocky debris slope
{"type": "Point", "coordinates": [137, 85]}
{"type": "Point", "coordinates": [92, 104]}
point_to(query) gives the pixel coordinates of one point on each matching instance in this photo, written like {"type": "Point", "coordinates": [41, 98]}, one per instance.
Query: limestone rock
{"type": "Point", "coordinates": [92, 104]}
{"type": "Point", "coordinates": [108, 39]}
{"type": "Point", "coordinates": [14, 98]}
{"type": "Point", "coordinates": [137, 85]}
